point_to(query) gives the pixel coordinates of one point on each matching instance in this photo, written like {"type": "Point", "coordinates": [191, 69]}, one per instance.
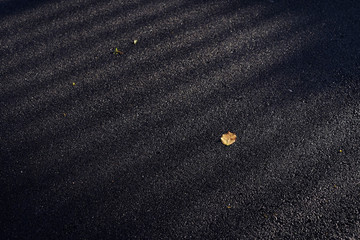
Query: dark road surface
{"type": "Point", "coordinates": [96, 145]}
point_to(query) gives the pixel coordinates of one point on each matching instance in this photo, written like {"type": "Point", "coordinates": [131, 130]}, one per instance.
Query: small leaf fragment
{"type": "Point", "coordinates": [117, 51]}
{"type": "Point", "coordinates": [228, 138]}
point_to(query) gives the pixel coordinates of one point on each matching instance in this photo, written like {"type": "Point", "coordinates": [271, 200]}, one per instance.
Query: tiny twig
{"type": "Point", "coordinates": [118, 51]}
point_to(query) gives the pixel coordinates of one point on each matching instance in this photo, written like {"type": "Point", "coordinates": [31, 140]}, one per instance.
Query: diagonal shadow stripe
{"type": "Point", "coordinates": [13, 7]}
{"type": "Point", "coordinates": [102, 113]}
{"type": "Point", "coordinates": [137, 187]}
{"type": "Point", "coordinates": [83, 43]}
{"type": "Point", "coordinates": [167, 58]}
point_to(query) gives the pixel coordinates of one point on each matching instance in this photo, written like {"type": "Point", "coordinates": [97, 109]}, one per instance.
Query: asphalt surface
{"type": "Point", "coordinates": [96, 145]}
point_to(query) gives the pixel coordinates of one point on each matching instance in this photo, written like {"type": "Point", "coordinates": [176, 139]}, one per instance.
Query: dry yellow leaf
{"type": "Point", "coordinates": [228, 138]}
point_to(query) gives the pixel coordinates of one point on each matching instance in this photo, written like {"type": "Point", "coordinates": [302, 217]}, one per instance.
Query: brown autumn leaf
{"type": "Point", "coordinates": [228, 138]}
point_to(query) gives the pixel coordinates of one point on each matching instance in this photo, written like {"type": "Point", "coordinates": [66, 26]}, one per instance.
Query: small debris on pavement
{"type": "Point", "coordinates": [117, 51]}
{"type": "Point", "coordinates": [228, 138]}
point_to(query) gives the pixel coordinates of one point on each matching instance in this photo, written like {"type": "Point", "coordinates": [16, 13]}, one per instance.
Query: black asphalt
{"type": "Point", "coordinates": [97, 145]}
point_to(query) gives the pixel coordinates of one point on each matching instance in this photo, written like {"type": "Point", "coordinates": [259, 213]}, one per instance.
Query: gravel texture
{"type": "Point", "coordinates": [97, 145]}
